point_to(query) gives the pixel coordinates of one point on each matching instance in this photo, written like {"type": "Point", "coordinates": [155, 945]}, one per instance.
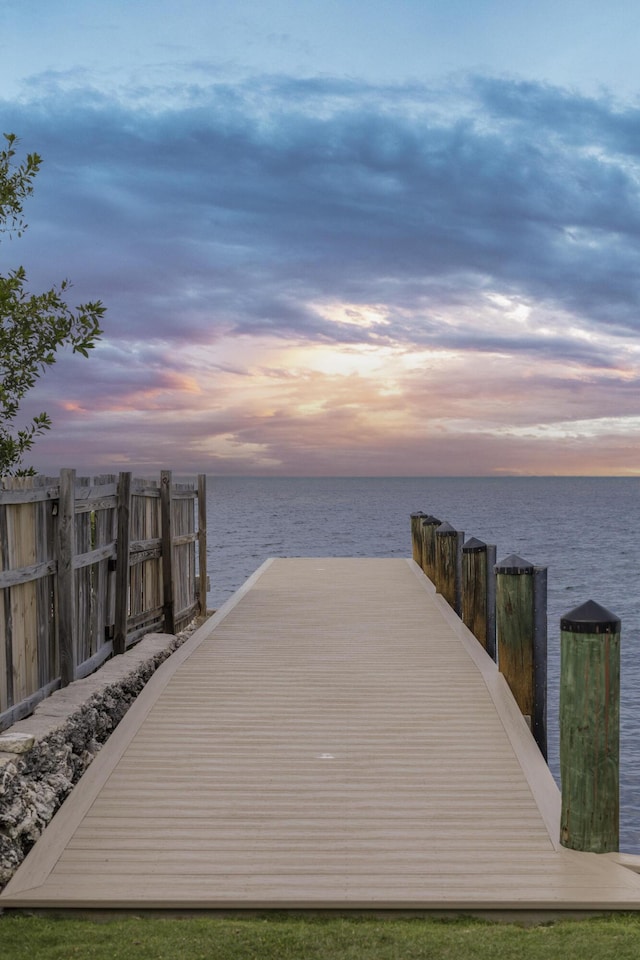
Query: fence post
{"type": "Point", "coordinates": [590, 729]}
{"type": "Point", "coordinates": [166, 522]}
{"type": "Point", "coordinates": [416, 536]}
{"type": "Point", "coordinates": [478, 592]}
{"type": "Point", "coordinates": [449, 564]}
{"type": "Point", "coordinates": [428, 526]}
{"type": "Point", "coordinates": [202, 542]}
{"type": "Point", "coordinates": [66, 546]}
{"type": "Point", "coordinates": [122, 563]}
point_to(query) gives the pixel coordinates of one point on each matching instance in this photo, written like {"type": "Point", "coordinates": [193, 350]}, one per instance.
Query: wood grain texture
{"type": "Point", "coordinates": [334, 737]}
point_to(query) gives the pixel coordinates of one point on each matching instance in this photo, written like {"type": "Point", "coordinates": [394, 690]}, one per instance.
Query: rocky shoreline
{"type": "Point", "coordinates": [44, 755]}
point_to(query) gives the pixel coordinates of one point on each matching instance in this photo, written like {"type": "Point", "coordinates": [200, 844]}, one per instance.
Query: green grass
{"type": "Point", "coordinates": [295, 938]}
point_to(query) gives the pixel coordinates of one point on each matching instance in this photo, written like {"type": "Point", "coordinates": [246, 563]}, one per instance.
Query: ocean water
{"type": "Point", "coordinates": [584, 530]}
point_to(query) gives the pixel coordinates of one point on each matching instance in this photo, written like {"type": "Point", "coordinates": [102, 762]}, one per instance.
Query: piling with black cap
{"type": "Point", "coordinates": [478, 592]}
{"type": "Point", "coordinates": [521, 625]}
{"type": "Point", "coordinates": [448, 564]}
{"type": "Point", "coordinates": [429, 525]}
{"type": "Point", "coordinates": [416, 536]}
{"type": "Point", "coordinates": [590, 729]}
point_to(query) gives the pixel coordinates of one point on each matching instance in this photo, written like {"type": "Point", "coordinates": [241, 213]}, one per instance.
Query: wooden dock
{"type": "Point", "coordinates": [333, 738]}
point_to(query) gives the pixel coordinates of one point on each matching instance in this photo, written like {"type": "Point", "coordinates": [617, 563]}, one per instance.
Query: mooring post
{"type": "Point", "coordinates": [539, 719]}
{"type": "Point", "coordinates": [428, 527]}
{"type": "Point", "coordinates": [448, 574]}
{"type": "Point", "coordinates": [416, 536]}
{"type": "Point", "coordinates": [590, 729]}
{"type": "Point", "coordinates": [519, 647]}
{"type": "Point", "coordinates": [478, 592]}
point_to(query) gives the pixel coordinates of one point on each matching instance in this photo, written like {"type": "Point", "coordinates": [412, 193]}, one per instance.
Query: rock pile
{"type": "Point", "coordinates": [43, 756]}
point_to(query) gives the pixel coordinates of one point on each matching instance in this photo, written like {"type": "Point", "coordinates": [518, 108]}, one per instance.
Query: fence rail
{"type": "Point", "coordinates": [87, 567]}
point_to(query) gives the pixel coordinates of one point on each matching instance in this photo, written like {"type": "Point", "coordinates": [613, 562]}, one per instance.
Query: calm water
{"type": "Point", "coordinates": [585, 530]}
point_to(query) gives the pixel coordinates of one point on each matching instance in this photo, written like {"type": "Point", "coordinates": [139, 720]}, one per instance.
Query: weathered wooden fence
{"type": "Point", "coordinates": [87, 567]}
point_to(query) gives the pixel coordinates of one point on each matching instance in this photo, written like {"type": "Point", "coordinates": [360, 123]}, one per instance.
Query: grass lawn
{"type": "Point", "coordinates": [296, 938]}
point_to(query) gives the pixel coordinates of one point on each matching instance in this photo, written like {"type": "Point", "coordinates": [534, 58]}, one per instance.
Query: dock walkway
{"type": "Point", "coordinates": [333, 738]}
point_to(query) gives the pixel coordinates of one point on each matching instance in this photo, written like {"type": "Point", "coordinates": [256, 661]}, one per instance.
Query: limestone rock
{"type": "Point", "coordinates": [16, 742]}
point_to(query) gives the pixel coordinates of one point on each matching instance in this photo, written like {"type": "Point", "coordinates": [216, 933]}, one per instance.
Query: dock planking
{"type": "Point", "coordinates": [333, 738]}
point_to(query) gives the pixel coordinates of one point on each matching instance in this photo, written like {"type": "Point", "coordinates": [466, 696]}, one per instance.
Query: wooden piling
{"type": "Point", "coordinates": [590, 729]}
{"type": "Point", "coordinates": [416, 536]}
{"type": "Point", "coordinates": [448, 574]}
{"type": "Point", "coordinates": [539, 719]}
{"type": "Point", "coordinates": [515, 629]}
{"type": "Point", "coordinates": [478, 592]}
{"type": "Point", "coordinates": [429, 525]}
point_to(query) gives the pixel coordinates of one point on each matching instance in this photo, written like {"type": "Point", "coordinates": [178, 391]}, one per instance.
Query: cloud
{"type": "Point", "coordinates": [493, 222]}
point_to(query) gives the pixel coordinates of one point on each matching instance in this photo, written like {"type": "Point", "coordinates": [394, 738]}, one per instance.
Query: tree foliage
{"type": "Point", "coordinates": [33, 327]}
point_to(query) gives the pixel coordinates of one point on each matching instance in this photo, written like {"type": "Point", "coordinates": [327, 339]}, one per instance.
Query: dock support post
{"type": "Point", "coordinates": [428, 529]}
{"type": "Point", "coordinates": [590, 729]}
{"type": "Point", "coordinates": [416, 536]}
{"type": "Point", "coordinates": [522, 637]}
{"type": "Point", "coordinates": [539, 719]}
{"type": "Point", "coordinates": [448, 574]}
{"type": "Point", "coordinates": [478, 592]}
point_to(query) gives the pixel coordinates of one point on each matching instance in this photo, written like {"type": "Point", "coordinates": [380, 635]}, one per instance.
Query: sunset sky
{"type": "Point", "coordinates": [335, 237]}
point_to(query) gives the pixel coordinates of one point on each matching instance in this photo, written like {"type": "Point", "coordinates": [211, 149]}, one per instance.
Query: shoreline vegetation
{"type": "Point", "coordinates": [295, 937]}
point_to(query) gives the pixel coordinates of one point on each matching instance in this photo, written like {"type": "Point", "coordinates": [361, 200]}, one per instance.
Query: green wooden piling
{"type": "Point", "coordinates": [448, 566]}
{"type": "Point", "coordinates": [429, 525]}
{"type": "Point", "coordinates": [521, 621]}
{"type": "Point", "coordinates": [539, 719]}
{"type": "Point", "coordinates": [515, 628]}
{"type": "Point", "coordinates": [416, 536]}
{"type": "Point", "coordinates": [590, 729]}
{"type": "Point", "coordinates": [478, 592]}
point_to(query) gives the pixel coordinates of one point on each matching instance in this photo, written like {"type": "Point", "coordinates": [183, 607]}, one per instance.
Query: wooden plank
{"type": "Point", "coordinates": [26, 707]}
{"type": "Point", "coordinates": [203, 576]}
{"type": "Point", "coordinates": [89, 494]}
{"type": "Point", "coordinates": [167, 551]}
{"type": "Point", "coordinates": [186, 615]}
{"type": "Point", "coordinates": [13, 578]}
{"type": "Point", "coordinates": [152, 544]}
{"type": "Point", "coordinates": [45, 595]}
{"type": "Point", "coordinates": [93, 663]}
{"type": "Point", "coordinates": [145, 616]}
{"type": "Point", "coordinates": [83, 578]}
{"type": "Point", "coordinates": [6, 647]}
{"type": "Point", "coordinates": [22, 547]}
{"type": "Point", "coordinates": [122, 563]}
{"type": "Point", "coordinates": [184, 539]}
{"type": "Point", "coordinates": [94, 556]}
{"type": "Point", "coordinates": [35, 495]}
{"type": "Point", "coordinates": [66, 576]}
{"type": "Point", "coordinates": [90, 504]}
{"type": "Point", "coordinates": [106, 534]}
